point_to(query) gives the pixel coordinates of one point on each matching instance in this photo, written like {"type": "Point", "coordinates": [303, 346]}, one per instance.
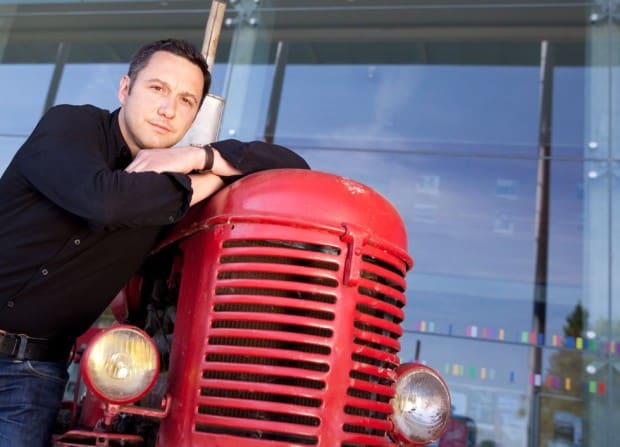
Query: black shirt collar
{"type": "Point", "coordinates": [124, 153]}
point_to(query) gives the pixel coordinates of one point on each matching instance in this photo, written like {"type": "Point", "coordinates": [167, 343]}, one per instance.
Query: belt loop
{"type": "Point", "coordinates": [21, 346]}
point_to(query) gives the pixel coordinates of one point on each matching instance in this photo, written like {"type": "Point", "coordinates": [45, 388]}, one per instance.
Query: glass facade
{"type": "Point", "coordinates": [493, 126]}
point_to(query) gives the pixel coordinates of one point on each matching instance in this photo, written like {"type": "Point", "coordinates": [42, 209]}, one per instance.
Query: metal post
{"type": "Point", "coordinates": [276, 91]}
{"type": "Point", "coordinates": [62, 54]}
{"type": "Point", "coordinates": [539, 311]}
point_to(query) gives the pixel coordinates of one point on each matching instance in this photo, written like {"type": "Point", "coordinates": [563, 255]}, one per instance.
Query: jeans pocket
{"type": "Point", "coordinates": [48, 370]}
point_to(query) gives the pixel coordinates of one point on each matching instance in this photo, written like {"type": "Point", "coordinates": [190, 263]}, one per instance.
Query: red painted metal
{"type": "Point", "coordinates": [81, 438]}
{"type": "Point", "coordinates": [288, 316]}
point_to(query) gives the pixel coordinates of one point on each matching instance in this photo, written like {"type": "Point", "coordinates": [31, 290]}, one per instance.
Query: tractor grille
{"type": "Point", "coordinates": [284, 356]}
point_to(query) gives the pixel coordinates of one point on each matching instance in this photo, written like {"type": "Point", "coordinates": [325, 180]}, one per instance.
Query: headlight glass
{"type": "Point", "coordinates": [421, 404]}
{"type": "Point", "coordinates": [121, 364]}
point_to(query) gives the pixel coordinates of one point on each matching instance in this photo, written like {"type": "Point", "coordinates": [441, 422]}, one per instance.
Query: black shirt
{"type": "Point", "coordinates": [74, 226]}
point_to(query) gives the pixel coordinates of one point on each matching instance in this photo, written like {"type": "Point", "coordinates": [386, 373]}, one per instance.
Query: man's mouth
{"type": "Point", "coordinates": [160, 128]}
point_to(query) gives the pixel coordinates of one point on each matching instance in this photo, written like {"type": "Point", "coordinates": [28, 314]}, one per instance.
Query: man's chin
{"type": "Point", "coordinates": [159, 143]}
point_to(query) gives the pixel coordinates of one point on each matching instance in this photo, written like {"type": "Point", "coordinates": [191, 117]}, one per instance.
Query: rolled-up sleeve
{"type": "Point", "coordinates": [65, 160]}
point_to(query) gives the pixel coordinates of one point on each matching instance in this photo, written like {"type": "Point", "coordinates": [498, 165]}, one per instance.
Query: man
{"type": "Point", "coordinates": [82, 203]}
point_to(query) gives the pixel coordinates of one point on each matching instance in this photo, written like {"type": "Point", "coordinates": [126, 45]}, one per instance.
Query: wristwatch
{"type": "Point", "coordinates": [208, 160]}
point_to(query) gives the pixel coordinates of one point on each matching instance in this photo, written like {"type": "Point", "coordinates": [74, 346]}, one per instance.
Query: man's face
{"type": "Point", "coordinates": [160, 104]}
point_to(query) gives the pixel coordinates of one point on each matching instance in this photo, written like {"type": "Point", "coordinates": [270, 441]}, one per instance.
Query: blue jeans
{"type": "Point", "coordinates": [31, 393]}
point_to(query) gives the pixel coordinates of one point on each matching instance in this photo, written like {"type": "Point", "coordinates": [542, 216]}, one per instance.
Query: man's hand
{"type": "Point", "coordinates": [179, 159]}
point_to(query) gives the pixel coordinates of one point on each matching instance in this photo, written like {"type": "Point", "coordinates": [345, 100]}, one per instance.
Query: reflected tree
{"type": "Point", "coordinates": [562, 404]}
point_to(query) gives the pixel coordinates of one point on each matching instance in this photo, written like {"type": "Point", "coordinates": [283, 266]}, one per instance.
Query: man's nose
{"type": "Point", "coordinates": [167, 107]}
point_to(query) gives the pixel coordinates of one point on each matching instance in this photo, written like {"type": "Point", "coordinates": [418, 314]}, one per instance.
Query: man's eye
{"type": "Point", "coordinates": [157, 88]}
{"type": "Point", "coordinates": [188, 101]}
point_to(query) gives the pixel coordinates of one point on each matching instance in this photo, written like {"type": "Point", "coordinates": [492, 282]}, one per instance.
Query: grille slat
{"type": "Point", "coordinates": [378, 357]}
{"type": "Point", "coordinates": [248, 290]}
{"type": "Point", "coordinates": [279, 276]}
{"type": "Point", "coordinates": [253, 408]}
{"type": "Point", "coordinates": [270, 340]}
{"type": "Point", "coordinates": [266, 435]}
{"type": "Point", "coordinates": [270, 386]}
{"type": "Point", "coordinates": [225, 358]}
{"type": "Point", "coordinates": [396, 285]}
{"type": "Point", "coordinates": [302, 291]}
{"type": "Point", "coordinates": [275, 376]}
{"type": "Point", "coordinates": [255, 394]}
{"type": "Point", "coordinates": [372, 393]}
{"type": "Point", "coordinates": [384, 260]}
{"type": "Point", "coordinates": [247, 261]}
{"type": "Point", "coordinates": [362, 408]}
{"type": "Point", "coordinates": [255, 427]}
{"type": "Point", "coordinates": [380, 344]}
{"type": "Point", "coordinates": [372, 305]}
{"type": "Point", "coordinates": [370, 373]}
{"type": "Point", "coordinates": [381, 365]}
{"type": "Point", "coordinates": [277, 243]}
{"type": "Point", "coordinates": [273, 323]}
{"type": "Point", "coordinates": [235, 307]}
{"type": "Point", "coordinates": [372, 337]}
{"type": "Point", "coordinates": [377, 292]}
{"type": "Point", "coordinates": [377, 326]}
{"type": "Point", "coordinates": [270, 355]}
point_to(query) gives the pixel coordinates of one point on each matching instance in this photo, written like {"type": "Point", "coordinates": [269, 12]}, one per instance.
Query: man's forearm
{"type": "Point", "coordinates": [183, 160]}
{"type": "Point", "coordinates": [204, 185]}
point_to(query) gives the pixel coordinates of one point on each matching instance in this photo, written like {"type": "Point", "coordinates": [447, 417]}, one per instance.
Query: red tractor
{"type": "Point", "coordinates": [270, 316]}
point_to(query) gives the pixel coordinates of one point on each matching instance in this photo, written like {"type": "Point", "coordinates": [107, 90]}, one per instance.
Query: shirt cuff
{"type": "Point", "coordinates": [184, 186]}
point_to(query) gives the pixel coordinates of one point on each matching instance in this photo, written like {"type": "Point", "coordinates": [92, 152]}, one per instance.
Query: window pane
{"type": "Point", "coordinates": [466, 115]}
{"type": "Point", "coordinates": [9, 146]}
{"type": "Point", "coordinates": [23, 96]}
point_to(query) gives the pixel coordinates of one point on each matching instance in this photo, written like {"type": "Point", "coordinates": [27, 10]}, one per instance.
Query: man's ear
{"type": "Point", "coordinates": [123, 89]}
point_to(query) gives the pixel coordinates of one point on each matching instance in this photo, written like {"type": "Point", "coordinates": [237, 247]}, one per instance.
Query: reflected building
{"type": "Point", "coordinates": [493, 126]}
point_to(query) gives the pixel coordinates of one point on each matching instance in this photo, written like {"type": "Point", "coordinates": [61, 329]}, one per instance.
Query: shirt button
{"type": "Point", "coordinates": [44, 272]}
{"type": "Point", "coordinates": [77, 242]}
{"type": "Point", "coordinates": [10, 303]}
{"type": "Point", "coordinates": [170, 219]}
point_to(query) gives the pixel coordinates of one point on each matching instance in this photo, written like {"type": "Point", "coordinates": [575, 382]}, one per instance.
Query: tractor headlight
{"type": "Point", "coordinates": [421, 405]}
{"type": "Point", "coordinates": [120, 365]}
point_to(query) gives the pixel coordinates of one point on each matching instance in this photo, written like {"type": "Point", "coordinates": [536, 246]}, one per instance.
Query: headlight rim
{"type": "Point", "coordinates": [88, 379]}
{"type": "Point", "coordinates": [400, 373]}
